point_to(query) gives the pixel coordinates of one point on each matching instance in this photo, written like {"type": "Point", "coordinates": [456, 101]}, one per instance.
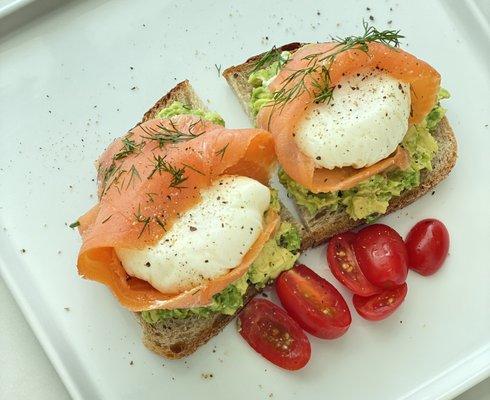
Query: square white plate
{"type": "Point", "coordinates": [77, 77]}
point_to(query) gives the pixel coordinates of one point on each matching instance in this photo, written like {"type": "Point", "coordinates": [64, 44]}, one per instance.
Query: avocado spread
{"type": "Point", "coordinates": [277, 255]}
{"type": "Point", "coordinates": [178, 108]}
{"type": "Point", "coordinates": [260, 80]}
{"type": "Point", "coordinates": [369, 199]}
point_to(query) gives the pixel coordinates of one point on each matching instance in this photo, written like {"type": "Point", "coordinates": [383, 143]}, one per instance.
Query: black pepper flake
{"type": "Point", "coordinates": [433, 193]}
{"type": "Point", "coordinates": [192, 228]}
{"type": "Point", "coordinates": [131, 363]}
{"type": "Point", "coordinates": [371, 18]}
{"type": "Point", "coordinates": [23, 250]}
{"type": "Point", "coordinates": [206, 261]}
{"type": "Point", "coordinates": [318, 158]}
{"type": "Point", "coordinates": [147, 264]}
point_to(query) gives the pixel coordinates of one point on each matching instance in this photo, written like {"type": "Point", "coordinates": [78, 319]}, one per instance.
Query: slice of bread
{"type": "Point", "coordinates": [173, 337]}
{"type": "Point", "coordinates": [318, 228]}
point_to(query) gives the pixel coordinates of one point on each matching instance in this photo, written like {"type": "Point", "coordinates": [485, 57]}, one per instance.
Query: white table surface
{"type": "Point", "coordinates": [26, 372]}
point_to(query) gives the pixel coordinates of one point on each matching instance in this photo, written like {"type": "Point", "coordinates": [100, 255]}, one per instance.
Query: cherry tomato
{"type": "Point", "coordinates": [381, 305]}
{"type": "Point", "coordinates": [313, 302]}
{"type": "Point", "coordinates": [382, 255]}
{"type": "Point", "coordinates": [274, 334]}
{"type": "Point", "coordinates": [343, 264]}
{"type": "Point", "coordinates": [427, 246]}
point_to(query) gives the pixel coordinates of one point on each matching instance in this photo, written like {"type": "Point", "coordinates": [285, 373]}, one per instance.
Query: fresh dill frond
{"type": "Point", "coordinates": [160, 165]}
{"type": "Point", "coordinates": [267, 59]}
{"type": "Point", "coordinates": [134, 174]}
{"type": "Point", "coordinates": [218, 68]}
{"type": "Point", "coordinates": [129, 146]}
{"type": "Point", "coordinates": [142, 219]}
{"type": "Point", "coordinates": [110, 176]}
{"type": "Point", "coordinates": [163, 135]}
{"type": "Point", "coordinates": [74, 224]}
{"type": "Point", "coordinates": [390, 38]}
{"type": "Point", "coordinates": [221, 152]}
{"type": "Point", "coordinates": [296, 83]}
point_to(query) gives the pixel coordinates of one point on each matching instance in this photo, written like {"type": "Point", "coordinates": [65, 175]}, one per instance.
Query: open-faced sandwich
{"type": "Point", "coordinates": [186, 229]}
{"type": "Point", "coordinates": [357, 124]}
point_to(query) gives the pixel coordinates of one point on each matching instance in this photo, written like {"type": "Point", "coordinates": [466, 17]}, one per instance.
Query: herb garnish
{"type": "Point", "coordinates": [134, 175]}
{"type": "Point", "coordinates": [129, 147]}
{"type": "Point", "coordinates": [267, 59]}
{"type": "Point", "coordinates": [140, 218]}
{"type": "Point", "coordinates": [145, 220]}
{"type": "Point", "coordinates": [160, 165]}
{"type": "Point", "coordinates": [295, 84]}
{"type": "Point", "coordinates": [172, 135]}
{"type": "Point", "coordinates": [107, 219]}
{"type": "Point", "coordinates": [222, 151]}
{"type": "Point", "coordinates": [74, 224]}
{"type": "Point", "coordinates": [218, 68]}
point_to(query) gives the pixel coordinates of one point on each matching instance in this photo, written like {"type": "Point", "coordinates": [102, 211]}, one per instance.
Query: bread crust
{"type": "Point", "coordinates": [318, 228]}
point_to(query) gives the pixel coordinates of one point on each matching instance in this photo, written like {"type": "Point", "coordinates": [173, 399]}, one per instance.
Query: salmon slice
{"type": "Point", "coordinates": [282, 119]}
{"type": "Point", "coordinates": [146, 180]}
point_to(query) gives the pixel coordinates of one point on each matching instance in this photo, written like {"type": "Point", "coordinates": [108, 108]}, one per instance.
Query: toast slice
{"type": "Point", "coordinates": [174, 337]}
{"type": "Point", "coordinates": [318, 228]}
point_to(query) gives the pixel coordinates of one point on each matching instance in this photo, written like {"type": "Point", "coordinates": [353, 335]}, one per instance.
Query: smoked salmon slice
{"type": "Point", "coordinates": [282, 119]}
{"type": "Point", "coordinates": [146, 180]}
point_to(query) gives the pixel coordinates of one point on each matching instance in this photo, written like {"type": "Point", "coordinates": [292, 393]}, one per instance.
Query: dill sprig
{"type": "Point", "coordinates": [110, 176]}
{"type": "Point", "coordinates": [160, 165]}
{"type": "Point", "coordinates": [221, 152]}
{"type": "Point", "coordinates": [129, 146]}
{"type": "Point", "coordinates": [267, 59]}
{"type": "Point", "coordinates": [163, 135]}
{"type": "Point", "coordinates": [142, 219]}
{"type": "Point", "coordinates": [295, 84]}
{"type": "Point", "coordinates": [145, 220]}
{"type": "Point", "coordinates": [134, 174]}
{"type": "Point", "coordinates": [218, 68]}
{"type": "Point", "coordinates": [389, 38]}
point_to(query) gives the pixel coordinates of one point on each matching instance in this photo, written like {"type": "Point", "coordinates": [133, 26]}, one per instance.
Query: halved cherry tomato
{"type": "Point", "coordinates": [381, 305]}
{"type": "Point", "coordinates": [382, 256]}
{"type": "Point", "coordinates": [313, 302]}
{"type": "Point", "coordinates": [427, 246]}
{"type": "Point", "coordinates": [274, 334]}
{"type": "Point", "coordinates": [343, 264]}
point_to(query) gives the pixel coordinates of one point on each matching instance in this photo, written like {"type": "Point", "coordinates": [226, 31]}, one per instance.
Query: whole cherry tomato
{"type": "Point", "coordinates": [427, 246]}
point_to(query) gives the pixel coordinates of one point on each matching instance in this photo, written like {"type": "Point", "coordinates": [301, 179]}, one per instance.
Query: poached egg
{"type": "Point", "coordinates": [364, 122]}
{"type": "Point", "coordinates": [207, 240]}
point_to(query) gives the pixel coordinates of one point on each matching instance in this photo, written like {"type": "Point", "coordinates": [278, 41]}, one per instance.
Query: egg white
{"type": "Point", "coordinates": [206, 241]}
{"type": "Point", "coordinates": [363, 123]}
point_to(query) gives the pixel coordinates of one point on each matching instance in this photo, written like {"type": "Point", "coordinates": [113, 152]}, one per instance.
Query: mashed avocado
{"type": "Point", "coordinates": [277, 255]}
{"type": "Point", "coordinates": [178, 108]}
{"type": "Point", "coordinates": [370, 198]}
{"type": "Point", "coordinates": [260, 80]}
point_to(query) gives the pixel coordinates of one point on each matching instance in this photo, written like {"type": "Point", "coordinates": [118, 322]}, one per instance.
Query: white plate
{"type": "Point", "coordinates": [66, 90]}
